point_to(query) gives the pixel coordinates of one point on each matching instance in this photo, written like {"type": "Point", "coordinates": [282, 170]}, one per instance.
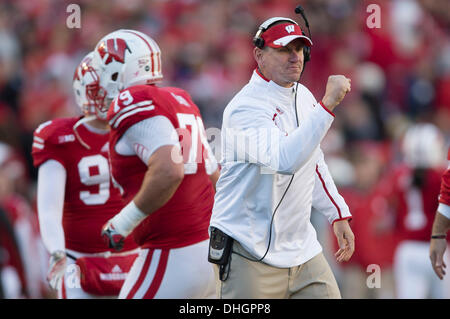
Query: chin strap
{"type": "Point", "coordinates": [78, 123]}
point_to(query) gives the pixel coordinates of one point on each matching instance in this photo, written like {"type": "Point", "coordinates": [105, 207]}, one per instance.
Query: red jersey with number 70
{"type": "Point", "coordinates": [184, 219]}
{"type": "Point", "coordinates": [90, 197]}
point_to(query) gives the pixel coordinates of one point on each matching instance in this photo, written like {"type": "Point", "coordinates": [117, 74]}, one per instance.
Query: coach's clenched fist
{"type": "Point", "coordinates": [337, 87]}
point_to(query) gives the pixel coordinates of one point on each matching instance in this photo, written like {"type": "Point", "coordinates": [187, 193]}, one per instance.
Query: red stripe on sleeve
{"type": "Point", "coordinates": [326, 191]}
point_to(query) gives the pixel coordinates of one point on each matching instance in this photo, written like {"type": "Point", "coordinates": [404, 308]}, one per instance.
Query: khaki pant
{"type": "Point", "coordinates": [256, 280]}
{"type": "Point", "coordinates": [353, 280]}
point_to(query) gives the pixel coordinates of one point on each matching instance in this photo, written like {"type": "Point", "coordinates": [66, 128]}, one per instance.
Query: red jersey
{"type": "Point", "coordinates": [415, 207]}
{"type": "Point", "coordinates": [184, 219]}
{"type": "Point", "coordinates": [372, 226]}
{"type": "Point", "coordinates": [25, 225]}
{"type": "Point", "coordinates": [10, 248]}
{"type": "Point", "coordinates": [444, 196]}
{"type": "Point", "coordinates": [90, 197]}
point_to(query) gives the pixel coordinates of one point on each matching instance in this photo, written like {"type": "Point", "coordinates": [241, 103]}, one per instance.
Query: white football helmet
{"type": "Point", "coordinates": [84, 76]}
{"type": "Point", "coordinates": [124, 58]}
{"type": "Point", "coordinates": [424, 146]}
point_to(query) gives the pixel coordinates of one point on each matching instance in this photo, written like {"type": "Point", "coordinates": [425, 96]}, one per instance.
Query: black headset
{"type": "Point", "coordinates": [258, 41]}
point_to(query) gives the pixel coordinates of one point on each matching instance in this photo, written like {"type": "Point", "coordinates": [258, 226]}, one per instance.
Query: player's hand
{"type": "Point", "coordinates": [56, 269]}
{"type": "Point", "coordinates": [437, 249]}
{"type": "Point", "coordinates": [112, 237]}
{"type": "Point", "coordinates": [346, 240]}
{"type": "Point", "coordinates": [337, 87]}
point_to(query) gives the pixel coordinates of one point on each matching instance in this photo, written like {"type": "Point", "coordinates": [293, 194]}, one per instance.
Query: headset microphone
{"type": "Point", "coordinates": [299, 10]}
{"type": "Point", "coordinates": [306, 50]}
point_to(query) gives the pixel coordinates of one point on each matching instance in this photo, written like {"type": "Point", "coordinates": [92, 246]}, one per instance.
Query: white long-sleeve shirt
{"type": "Point", "coordinates": [50, 203]}
{"type": "Point", "coordinates": [261, 148]}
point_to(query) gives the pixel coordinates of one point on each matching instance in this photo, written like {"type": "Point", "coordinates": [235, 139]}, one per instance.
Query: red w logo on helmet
{"type": "Point", "coordinates": [115, 48]}
{"type": "Point", "coordinates": [76, 76]}
{"type": "Point", "coordinates": [84, 66]}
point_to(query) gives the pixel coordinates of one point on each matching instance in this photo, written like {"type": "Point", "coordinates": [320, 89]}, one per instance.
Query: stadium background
{"type": "Point", "coordinates": [400, 75]}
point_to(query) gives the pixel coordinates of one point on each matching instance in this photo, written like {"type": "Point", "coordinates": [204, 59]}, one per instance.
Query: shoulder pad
{"type": "Point", "coordinates": [133, 105]}
{"type": "Point", "coordinates": [49, 135]}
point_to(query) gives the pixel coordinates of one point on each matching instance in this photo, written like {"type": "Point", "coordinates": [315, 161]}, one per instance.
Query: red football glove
{"type": "Point", "coordinates": [111, 237]}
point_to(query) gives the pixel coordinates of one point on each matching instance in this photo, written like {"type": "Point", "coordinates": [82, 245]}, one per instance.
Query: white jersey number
{"type": "Point", "coordinates": [94, 170]}
{"type": "Point", "coordinates": [191, 143]}
{"type": "Point", "coordinates": [126, 99]}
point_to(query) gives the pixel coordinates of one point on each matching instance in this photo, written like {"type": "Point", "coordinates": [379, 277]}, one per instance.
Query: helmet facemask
{"type": "Point", "coordinates": [85, 75]}
{"type": "Point", "coordinates": [96, 96]}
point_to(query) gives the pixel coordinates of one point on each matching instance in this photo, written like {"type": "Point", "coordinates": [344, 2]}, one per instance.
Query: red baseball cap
{"type": "Point", "coordinates": [281, 35]}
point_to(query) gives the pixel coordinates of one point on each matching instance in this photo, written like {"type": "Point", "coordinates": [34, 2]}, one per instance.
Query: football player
{"type": "Point", "coordinates": [164, 167]}
{"type": "Point", "coordinates": [372, 224]}
{"type": "Point", "coordinates": [441, 225]}
{"type": "Point", "coordinates": [416, 186]}
{"type": "Point", "coordinates": [24, 256]}
{"type": "Point", "coordinates": [75, 197]}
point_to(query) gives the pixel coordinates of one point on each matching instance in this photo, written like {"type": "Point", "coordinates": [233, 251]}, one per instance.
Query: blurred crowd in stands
{"type": "Point", "coordinates": [400, 76]}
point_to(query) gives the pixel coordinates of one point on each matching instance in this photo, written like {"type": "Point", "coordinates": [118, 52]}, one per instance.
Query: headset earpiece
{"type": "Point", "coordinates": [306, 54]}
{"type": "Point", "coordinates": [306, 50]}
{"type": "Point", "coordinates": [258, 41]}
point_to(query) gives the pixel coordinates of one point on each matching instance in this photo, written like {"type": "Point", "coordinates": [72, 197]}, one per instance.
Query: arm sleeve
{"type": "Point", "coordinates": [252, 136]}
{"type": "Point", "coordinates": [145, 137]}
{"type": "Point", "coordinates": [326, 198]}
{"type": "Point", "coordinates": [444, 210]}
{"type": "Point", "coordinates": [50, 203]}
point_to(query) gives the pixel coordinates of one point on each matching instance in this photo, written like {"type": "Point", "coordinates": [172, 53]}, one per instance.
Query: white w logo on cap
{"type": "Point", "coordinates": [290, 28]}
